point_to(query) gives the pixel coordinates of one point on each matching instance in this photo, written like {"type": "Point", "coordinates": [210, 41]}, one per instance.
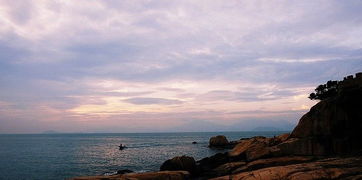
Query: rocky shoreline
{"type": "Point", "coordinates": [325, 144]}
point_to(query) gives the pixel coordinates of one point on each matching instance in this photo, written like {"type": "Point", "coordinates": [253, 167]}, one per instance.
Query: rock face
{"type": "Point", "coordinates": [183, 163]}
{"type": "Point", "coordinates": [333, 126]}
{"type": "Point", "coordinates": [218, 141]}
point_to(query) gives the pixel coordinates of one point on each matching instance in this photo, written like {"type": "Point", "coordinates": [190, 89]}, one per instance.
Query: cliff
{"type": "Point", "coordinates": [335, 123]}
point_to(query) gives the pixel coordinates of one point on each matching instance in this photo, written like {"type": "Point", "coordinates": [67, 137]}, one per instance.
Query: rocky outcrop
{"type": "Point", "coordinates": [183, 163]}
{"type": "Point", "coordinates": [334, 124]}
{"type": "Point", "coordinates": [161, 175]}
{"type": "Point", "coordinates": [258, 147]}
{"type": "Point", "coordinates": [331, 128]}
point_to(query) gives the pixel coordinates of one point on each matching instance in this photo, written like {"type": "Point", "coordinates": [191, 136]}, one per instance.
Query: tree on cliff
{"type": "Point", "coordinates": [325, 91]}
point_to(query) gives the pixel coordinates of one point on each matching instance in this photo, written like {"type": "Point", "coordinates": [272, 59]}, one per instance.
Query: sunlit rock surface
{"type": "Point", "coordinates": [331, 168]}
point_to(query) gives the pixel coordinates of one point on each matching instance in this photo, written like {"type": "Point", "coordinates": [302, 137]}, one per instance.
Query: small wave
{"type": "Point", "coordinates": [109, 173]}
{"type": "Point", "coordinates": [142, 171]}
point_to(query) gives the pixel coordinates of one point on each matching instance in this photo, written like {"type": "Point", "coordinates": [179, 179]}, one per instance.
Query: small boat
{"type": "Point", "coordinates": [121, 147]}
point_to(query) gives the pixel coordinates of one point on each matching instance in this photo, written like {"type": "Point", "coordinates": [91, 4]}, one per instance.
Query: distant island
{"type": "Point", "coordinates": [326, 144]}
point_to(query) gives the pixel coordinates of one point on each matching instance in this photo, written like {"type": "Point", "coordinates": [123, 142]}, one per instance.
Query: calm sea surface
{"type": "Point", "coordinates": [61, 156]}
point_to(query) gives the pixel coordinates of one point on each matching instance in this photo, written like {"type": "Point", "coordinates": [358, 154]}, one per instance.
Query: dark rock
{"type": "Point", "coordinates": [218, 141]}
{"type": "Point", "coordinates": [211, 162]}
{"type": "Point", "coordinates": [334, 124]}
{"type": "Point", "coordinates": [194, 142]}
{"type": "Point", "coordinates": [184, 163]}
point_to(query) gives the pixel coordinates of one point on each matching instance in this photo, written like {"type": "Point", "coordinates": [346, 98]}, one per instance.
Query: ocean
{"type": "Point", "coordinates": [62, 156]}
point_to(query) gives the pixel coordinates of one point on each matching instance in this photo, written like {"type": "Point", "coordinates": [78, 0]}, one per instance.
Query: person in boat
{"type": "Point", "coordinates": [121, 146]}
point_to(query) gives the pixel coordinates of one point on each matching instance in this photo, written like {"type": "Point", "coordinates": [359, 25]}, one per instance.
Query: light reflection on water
{"type": "Point", "coordinates": [59, 156]}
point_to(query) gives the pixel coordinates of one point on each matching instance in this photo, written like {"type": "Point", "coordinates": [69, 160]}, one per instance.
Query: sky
{"type": "Point", "coordinates": [170, 66]}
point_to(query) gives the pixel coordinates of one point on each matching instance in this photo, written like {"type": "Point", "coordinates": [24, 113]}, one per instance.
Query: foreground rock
{"type": "Point", "coordinates": [332, 168]}
{"type": "Point", "coordinates": [161, 175]}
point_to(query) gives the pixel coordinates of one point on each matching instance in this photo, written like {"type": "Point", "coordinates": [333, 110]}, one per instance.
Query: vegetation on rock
{"type": "Point", "coordinates": [333, 88]}
{"type": "Point", "coordinates": [325, 91]}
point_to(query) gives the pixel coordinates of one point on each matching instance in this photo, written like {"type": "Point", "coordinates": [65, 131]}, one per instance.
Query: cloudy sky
{"type": "Point", "coordinates": [155, 66]}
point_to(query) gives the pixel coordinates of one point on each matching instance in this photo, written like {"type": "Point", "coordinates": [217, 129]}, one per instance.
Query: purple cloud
{"type": "Point", "coordinates": [147, 101]}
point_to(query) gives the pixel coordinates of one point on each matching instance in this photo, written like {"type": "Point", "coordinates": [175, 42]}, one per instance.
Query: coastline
{"type": "Point", "coordinates": [63, 156]}
{"type": "Point", "coordinates": [324, 145]}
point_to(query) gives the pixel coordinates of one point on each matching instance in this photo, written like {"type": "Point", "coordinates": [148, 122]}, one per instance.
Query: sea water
{"type": "Point", "coordinates": [62, 156]}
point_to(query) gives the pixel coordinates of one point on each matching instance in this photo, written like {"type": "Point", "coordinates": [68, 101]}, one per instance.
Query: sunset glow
{"type": "Point", "coordinates": [145, 66]}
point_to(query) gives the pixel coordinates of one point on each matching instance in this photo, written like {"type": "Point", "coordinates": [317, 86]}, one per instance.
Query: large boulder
{"type": "Point", "coordinates": [218, 141]}
{"type": "Point", "coordinates": [184, 163]}
{"type": "Point", "coordinates": [251, 149]}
